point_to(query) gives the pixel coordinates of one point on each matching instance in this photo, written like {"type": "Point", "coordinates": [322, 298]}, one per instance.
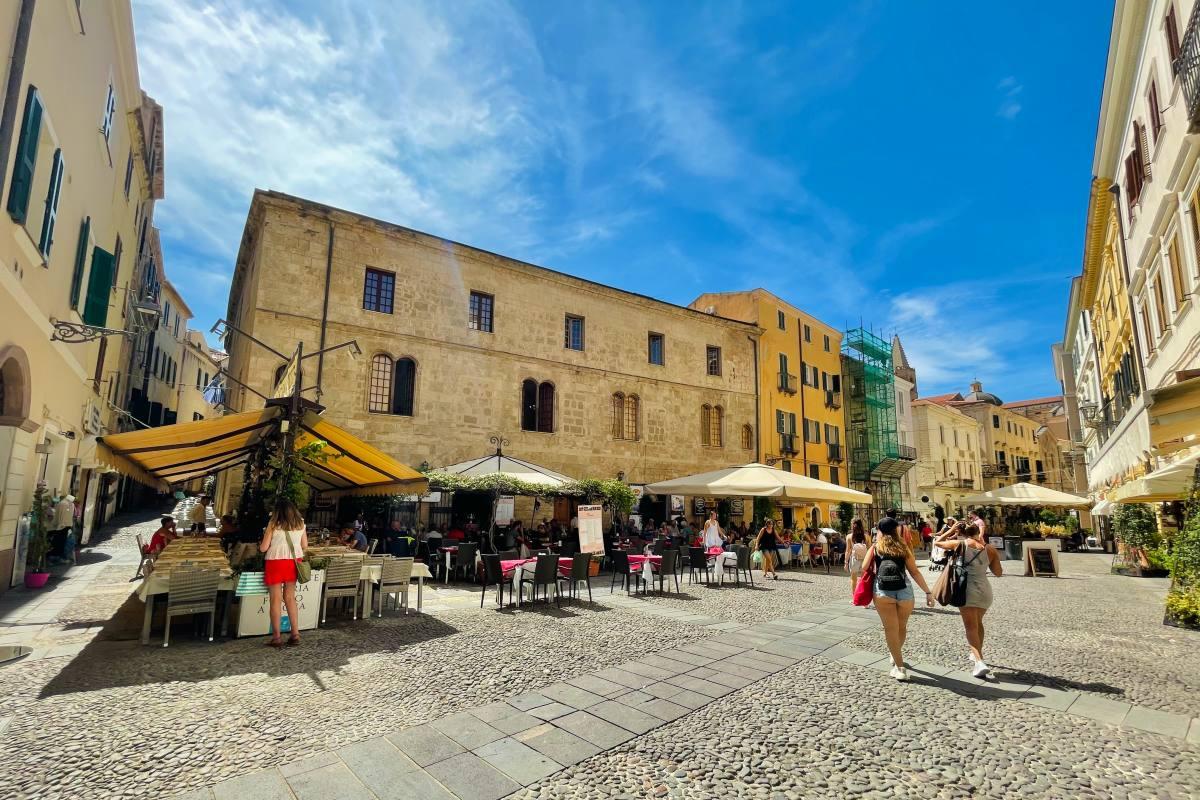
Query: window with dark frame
{"type": "Point", "coordinates": [129, 174]}
{"type": "Point", "coordinates": [713, 360]}
{"type": "Point", "coordinates": [655, 347]}
{"type": "Point", "coordinates": [782, 320]}
{"type": "Point", "coordinates": [537, 406]}
{"type": "Point", "coordinates": [481, 312]}
{"type": "Point", "coordinates": [827, 343]}
{"type": "Point", "coordinates": [573, 332]}
{"type": "Point", "coordinates": [835, 475]}
{"type": "Point", "coordinates": [1174, 46]}
{"type": "Point", "coordinates": [814, 471]}
{"type": "Point", "coordinates": [1156, 116]}
{"type": "Point", "coordinates": [807, 334]}
{"type": "Point", "coordinates": [378, 290]}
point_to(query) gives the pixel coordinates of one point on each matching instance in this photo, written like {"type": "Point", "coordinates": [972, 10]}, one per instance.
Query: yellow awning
{"type": "Point", "coordinates": [1174, 413]}
{"type": "Point", "coordinates": [1172, 482]}
{"type": "Point", "coordinates": [177, 453]}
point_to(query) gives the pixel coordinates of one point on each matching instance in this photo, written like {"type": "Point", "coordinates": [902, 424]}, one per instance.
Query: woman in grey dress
{"type": "Point", "coordinates": [978, 556]}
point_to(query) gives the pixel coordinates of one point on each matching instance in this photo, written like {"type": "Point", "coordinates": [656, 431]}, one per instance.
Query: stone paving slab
{"type": "Point", "coordinates": [593, 729]}
{"type": "Point", "coordinates": [596, 685]}
{"type": "Point", "coordinates": [336, 780]}
{"type": "Point", "coordinates": [1193, 734]}
{"type": "Point", "coordinates": [518, 761]}
{"type": "Point", "coordinates": [563, 746]}
{"type": "Point", "coordinates": [467, 729]}
{"type": "Point", "coordinates": [571, 695]}
{"type": "Point", "coordinates": [1161, 722]}
{"type": "Point", "coordinates": [471, 778]}
{"type": "Point", "coordinates": [425, 745]}
{"type": "Point", "coordinates": [266, 785]}
{"type": "Point", "coordinates": [1053, 699]}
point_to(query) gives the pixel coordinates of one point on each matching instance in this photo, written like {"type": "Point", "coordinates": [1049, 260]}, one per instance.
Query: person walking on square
{"type": "Point", "coordinates": [894, 566]}
{"type": "Point", "coordinates": [977, 558]}
{"type": "Point", "coordinates": [856, 552]}
{"type": "Point", "coordinates": [766, 544]}
{"type": "Point", "coordinates": [283, 543]}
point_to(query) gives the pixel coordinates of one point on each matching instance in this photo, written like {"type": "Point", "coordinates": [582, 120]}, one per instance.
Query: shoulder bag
{"type": "Point", "coordinates": [951, 586]}
{"type": "Point", "coordinates": [864, 592]}
{"type": "Point", "coordinates": [303, 568]}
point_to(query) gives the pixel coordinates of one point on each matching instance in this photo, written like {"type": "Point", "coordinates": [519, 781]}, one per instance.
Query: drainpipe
{"type": "Point", "coordinates": [803, 418]}
{"type": "Point", "coordinates": [757, 407]}
{"type": "Point", "coordinates": [325, 312]}
{"type": "Point", "coordinates": [16, 76]}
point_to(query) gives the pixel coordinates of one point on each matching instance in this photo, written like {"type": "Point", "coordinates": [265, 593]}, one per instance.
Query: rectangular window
{"type": "Point", "coordinates": [1171, 31]}
{"type": "Point", "coordinates": [655, 349]}
{"type": "Point", "coordinates": [480, 313]}
{"type": "Point", "coordinates": [1178, 291]}
{"type": "Point", "coordinates": [1156, 117]}
{"type": "Point", "coordinates": [996, 421]}
{"type": "Point", "coordinates": [814, 472]}
{"type": "Point", "coordinates": [782, 320]}
{"type": "Point", "coordinates": [100, 283]}
{"type": "Point", "coordinates": [827, 343]}
{"type": "Point", "coordinates": [378, 290]}
{"type": "Point", "coordinates": [26, 160]}
{"type": "Point", "coordinates": [50, 216]}
{"type": "Point", "coordinates": [199, 385]}
{"type": "Point", "coordinates": [835, 475]}
{"type": "Point", "coordinates": [1160, 307]}
{"type": "Point", "coordinates": [812, 431]}
{"type": "Point", "coordinates": [807, 334]}
{"type": "Point", "coordinates": [110, 110]}
{"type": "Point", "coordinates": [713, 360]}
{"type": "Point", "coordinates": [573, 333]}
{"type": "Point", "coordinates": [129, 174]}
{"type": "Point", "coordinates": [81, 251]}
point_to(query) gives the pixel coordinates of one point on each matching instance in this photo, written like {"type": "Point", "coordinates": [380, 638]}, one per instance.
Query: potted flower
{"type": "Point", "coordinates": [36, 574]}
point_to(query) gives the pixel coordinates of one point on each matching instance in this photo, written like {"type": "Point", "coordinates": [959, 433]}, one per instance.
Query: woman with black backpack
{"type": "Point", "coordinates": [975, 557]}
{"type": "Point", "coordinates": [893, 563]}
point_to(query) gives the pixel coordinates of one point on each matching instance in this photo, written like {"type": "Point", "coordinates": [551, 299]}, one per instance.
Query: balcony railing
{"type": "Point", "coordinates": [1187, 67]}
{"type": "Point", "coordinates": [833, 399]}
{"type": "Point", "coordinates": [835, 452]}
{"type": "Point", "coordinates": [907, 452]}
{"type": "Point", "coordinates": [956, 483]}
{"type": "Point", "coordinates": [1041, 477]}
{"type": "Point", "coordinates": [787, 443]}
{"type": "Point", "coordinates": [787, 382]}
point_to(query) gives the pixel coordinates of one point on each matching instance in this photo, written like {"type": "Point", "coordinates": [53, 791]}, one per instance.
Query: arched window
{"type": "Point", "coordinates": [706, 424]}
{"type": "Point", "coordinates": [392, 385]}
{"type": "Point", "coordinates": [747, 437]}
{"type": "Point", "coordinates": [405, 387]}
{"type": "Point", "coordinates": [537, 406]}
{"type": "Point", "coordinates": [717, 420]}
{"type": "Point", "coordinates": [618, 416]}
{"type": "Point", "coordinates": [632, 406]}
{"type": "Point", "coordinates": [379, 392]}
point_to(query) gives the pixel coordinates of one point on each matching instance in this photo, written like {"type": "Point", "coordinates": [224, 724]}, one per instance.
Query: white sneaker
{"type": "Point", "coordinates": [982, 670]}
{"type": "Point", "coordinates": [899, 673]}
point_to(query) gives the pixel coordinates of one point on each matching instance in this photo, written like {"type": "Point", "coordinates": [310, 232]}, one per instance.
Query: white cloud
{"type": "Point", "coordinates": [1010, 90]}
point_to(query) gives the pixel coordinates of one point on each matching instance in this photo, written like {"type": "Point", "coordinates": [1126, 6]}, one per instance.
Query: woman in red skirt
{"type": "Point", "coordinates": [280, 569]}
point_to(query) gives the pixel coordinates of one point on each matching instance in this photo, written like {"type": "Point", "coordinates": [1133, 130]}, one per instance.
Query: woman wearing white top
{"type": "Point", "coordinates": [283, 543]}
{"type": "Point", "coordinates": [713, 537]}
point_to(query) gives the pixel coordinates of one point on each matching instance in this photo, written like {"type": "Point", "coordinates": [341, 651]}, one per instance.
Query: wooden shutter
{"type": "Point", "coordinates": [404, 389]}
{"type": "Point", "coordinates": [1156, 117]}
{"type": "Point", "coordinates": [1143, 151]}
{"type": "Point", "coordinates": [95, 308]}
{"type": "Point", "coordinates": [529, 405]}
{"type": "Point", "coordinates": [26, 160]}
{"type": "Point", "coordinates": [81, 249]}
{"type": "Point", "coordinates": [545, 407]}
{"type": "Point", "coordinates": [99, 374]}
{"type": "Point", "coordinates": [1173, 45]}
{"type": "Point", "coordinates": [779, 422]}
{"type": "Point", "coordinates": [53, 191]}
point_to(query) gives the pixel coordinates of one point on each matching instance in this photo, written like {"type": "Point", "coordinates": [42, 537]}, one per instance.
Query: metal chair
{"type": "Point", "coordinates": [545, 574]}
{"type": "Point", "coordinates": [620, 566]}
{"type": "Point", "coordinates": [666, 570]}
{"type": "Point", "coordinates": [146, 559]}
{"type": "Point", "coordinates": [698, 560]}
{"type": "Point", "coordinates": [464, 559]}
{"type": "Point", "coordinates": [658, 546]}
{"type": "Point", "coordinates": [341, 580]}
{"type": "Point", "coordinates": [742, 564]}
{"type": "Point", "coordinates": [191, 591]}
{"type": "Point", "coordinates": [493, 575]}
{"type": "Point", "coordinates": [580, 572]}
{"type": "Point", "coordinates": [394, 581]}
{"type": "Point", "coordinates": [372, 547]}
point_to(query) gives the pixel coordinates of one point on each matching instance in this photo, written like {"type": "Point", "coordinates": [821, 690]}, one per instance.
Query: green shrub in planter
{"type": "Point", "coordinates": [1183, 606]}
{"type": "Point", "coordinates": [1136, 527]}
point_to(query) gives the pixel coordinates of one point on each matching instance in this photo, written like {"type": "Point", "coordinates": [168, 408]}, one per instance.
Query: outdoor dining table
{"type": "Point", "coordinates": [513, 569]}
{"type": "Point", "coordinates": [648, 565]}
{"type": "Point", "coordinates": [372, 573]}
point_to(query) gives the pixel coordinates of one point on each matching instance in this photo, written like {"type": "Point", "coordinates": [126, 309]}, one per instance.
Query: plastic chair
{"type": "Point", "coordinates": [620, 566]}
{"type": "Point", "coordinates": [341, 580]}
{"type": "Point", "coordinates": [493, 575]}
{"type": "Point", "coordinates": [464, 559]}
{"type": "Point", "coordinates": [580, 573]}
{"type": "Point", "coordinates": [698, 560]}
{"type": "Point", "coordinates": [192, 592]}
{"type": "Point", "coordinates": [145, 560]}
{"type": "Point", "coordinates": [545, 574]}
{"type": "Point", "coordinates": [394, 581]}
{"type": "Point", "coordinates": [742, 564]}
{"type": "Point", "coordinates": [666, 570]}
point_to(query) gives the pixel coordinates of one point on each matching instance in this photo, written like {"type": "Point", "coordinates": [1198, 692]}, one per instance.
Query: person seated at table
{"type": "Point", "coordinates": [228, 531]}
{"type": "Point", "coordinates": [353, 537]}
{"type": "Point", "coordinates": [456, 533]}
{"type": "Point", "coordinates": [162, 537]}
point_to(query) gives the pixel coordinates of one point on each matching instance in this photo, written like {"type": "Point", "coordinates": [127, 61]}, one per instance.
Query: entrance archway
{"type": "Point", "coordinates": [15, 389]}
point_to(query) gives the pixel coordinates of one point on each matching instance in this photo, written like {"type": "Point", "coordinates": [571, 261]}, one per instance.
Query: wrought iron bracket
{"type": "Point", "coordinates": [80, 333]}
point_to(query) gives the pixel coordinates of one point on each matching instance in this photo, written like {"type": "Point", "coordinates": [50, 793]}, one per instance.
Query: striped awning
{"type": "Point", "coordinates": [175, 454]}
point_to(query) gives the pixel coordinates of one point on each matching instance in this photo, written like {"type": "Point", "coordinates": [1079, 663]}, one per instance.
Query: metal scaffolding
{"type": "Point", "coordinates": [877, 459]}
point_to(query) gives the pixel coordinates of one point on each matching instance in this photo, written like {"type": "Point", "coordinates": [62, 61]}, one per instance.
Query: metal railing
{"type": "Point", "coordinates": [907, 452]}
{"type": "Point", "coordinates": [1187, 67]}
{"type": "Point", "coordinates": [833, 399]}
{"type": "Point", "coordinates": [787, 382]}
{"type": "Point", "coordinates": [956, 483]}
{"type": "Point", "coordinates": [835, 452]}
{"type": "Point", "coordinates": [787, 443]}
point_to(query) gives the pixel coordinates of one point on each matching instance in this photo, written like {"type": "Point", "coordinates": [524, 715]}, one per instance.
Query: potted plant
{"type": "Point", "coordinates": [36, 574]}
{"type": "Point", "coordinates": [1135, 528]}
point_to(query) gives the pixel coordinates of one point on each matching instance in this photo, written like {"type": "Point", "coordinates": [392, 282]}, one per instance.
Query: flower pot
{"type": "Point", "coordinates": [36, 580]}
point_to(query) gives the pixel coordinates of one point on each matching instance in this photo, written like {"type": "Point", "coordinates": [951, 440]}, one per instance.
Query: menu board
{"type": "Point", "coordinates": [737, 507]}
{"type": "Point", "coordinates": [504, 510]}
{"type": "Point", "coordinates": [1041, 562]}
{"type": "Point", "coordinates": [591, 529]}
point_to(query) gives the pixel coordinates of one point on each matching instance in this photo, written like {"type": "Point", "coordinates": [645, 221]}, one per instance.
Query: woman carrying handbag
{"type": "Point", "coordinates": [968, 587]}
{"type": "Point", "coordinates": [283, 543]}
{"type": "Point", "coordinates": [891, 570]}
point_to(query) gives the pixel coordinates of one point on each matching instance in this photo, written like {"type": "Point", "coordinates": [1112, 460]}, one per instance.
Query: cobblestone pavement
{"type": "Point", "coordinates": [109, 718]}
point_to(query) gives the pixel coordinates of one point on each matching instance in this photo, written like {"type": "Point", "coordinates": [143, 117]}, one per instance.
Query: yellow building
{"type": "Point", "coordinates": [949, 466]}
{"type": "Point", "coordinates": [80, 167]}
{"type": "Point", "coordinates": [800, 389]}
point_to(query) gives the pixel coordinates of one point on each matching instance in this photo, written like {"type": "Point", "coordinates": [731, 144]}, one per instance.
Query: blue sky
{"type": "Point", "coordinates": [919, 167]}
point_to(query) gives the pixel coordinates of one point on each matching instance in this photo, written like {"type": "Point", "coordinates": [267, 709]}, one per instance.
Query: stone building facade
{"type": "Point", "coordinates": [949, 465]}
{"type": "Point", "coordinates": [459, 345]}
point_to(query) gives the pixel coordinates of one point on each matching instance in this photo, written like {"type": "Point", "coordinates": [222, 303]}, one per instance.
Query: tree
{"type": "Point", "coordinates": [845, 514]}
{"type": "Point", "coordinates": [39, 530]}
{"type": "Point", "coordinates": [1136, 527]}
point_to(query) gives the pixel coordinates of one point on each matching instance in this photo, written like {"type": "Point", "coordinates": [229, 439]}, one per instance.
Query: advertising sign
{"type": "Point", "coordinates": [676, 505]}
{"type": "Point", "coordinates": [591, 529]}
{"type": "Point", "coordinates": [699, 506]}
{"type": "Point", "coordinates": [504, 510]}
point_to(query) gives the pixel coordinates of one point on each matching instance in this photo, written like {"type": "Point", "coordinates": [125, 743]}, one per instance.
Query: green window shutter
{"type": "Point", "coordinates": [52, 194]}
{"type": "Point", "coordinates": [26, 160]}
{"type": "Point", "coordinates": [85, 229]}
{"type": "Point", "coordinates": [95, 308]}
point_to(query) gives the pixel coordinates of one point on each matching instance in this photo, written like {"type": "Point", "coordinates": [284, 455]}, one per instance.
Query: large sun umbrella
{"type": "Point", "coordinates": [758, 480]}
{"type": "Point", "coordinates": [1027, 494]}
{"type": "Point", "coordinates": [500, 464]}
{"type": "Point", "coordinates": [1172, 482]}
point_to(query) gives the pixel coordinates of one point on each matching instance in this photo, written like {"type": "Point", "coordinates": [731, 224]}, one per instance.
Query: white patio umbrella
{"type": "Point", "coordinates": [1027, 494]}
{"type": "Point", "coordinates": [758, 480]}
{"type": "Point", "coordinates": [500, 464]}
{"type": "Point", "coordinates": [1172, 482]}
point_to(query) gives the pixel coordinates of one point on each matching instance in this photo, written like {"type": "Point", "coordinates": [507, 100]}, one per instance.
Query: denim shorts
{"type": "Point", "coordinates": [899, 595]}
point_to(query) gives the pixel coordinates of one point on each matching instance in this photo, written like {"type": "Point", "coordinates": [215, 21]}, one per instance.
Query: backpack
{"type": "Point", "coordinates": [891, 574]}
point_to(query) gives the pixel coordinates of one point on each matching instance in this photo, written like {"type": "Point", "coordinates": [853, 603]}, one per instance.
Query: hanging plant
{"type": "Point", "coordinates": [616, 494]}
